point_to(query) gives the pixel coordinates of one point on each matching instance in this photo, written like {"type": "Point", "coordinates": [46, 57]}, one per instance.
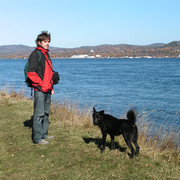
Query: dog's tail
{"type": "Point", "coordinates": [131, 115]}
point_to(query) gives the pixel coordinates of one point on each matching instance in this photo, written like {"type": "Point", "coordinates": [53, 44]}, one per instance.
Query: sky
{"type": "Point", "coordinates": [76, 23]}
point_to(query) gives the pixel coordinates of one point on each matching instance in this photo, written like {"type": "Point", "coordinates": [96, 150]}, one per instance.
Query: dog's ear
{"type": "Point", "coordinates": [94, 110]}
{"type": "Point", "coordinates": [102, 112]}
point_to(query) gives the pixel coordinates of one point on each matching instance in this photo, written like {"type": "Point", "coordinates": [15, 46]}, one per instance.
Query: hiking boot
{"type": "Point", "coordinates": [49, 137]}
{"type": "Point", "coordinates": [43, 142]}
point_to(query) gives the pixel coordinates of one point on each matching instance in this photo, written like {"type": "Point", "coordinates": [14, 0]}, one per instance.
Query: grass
{"type": "Point", "coordinates": [74, 153]}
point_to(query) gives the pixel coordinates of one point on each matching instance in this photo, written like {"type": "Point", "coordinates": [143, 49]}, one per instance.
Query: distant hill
{"type": "Point", "coordinates": [173, 44]}
{"type": "Point", "coordinates": [156, 45]}
{"type": "Point", "coordinates": [171, 49]}
{"type": "Point", "coordinates": [11, 49]}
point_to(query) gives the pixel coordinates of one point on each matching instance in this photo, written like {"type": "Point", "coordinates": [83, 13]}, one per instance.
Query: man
{"type": "Point", "coordinates": [40, 73]}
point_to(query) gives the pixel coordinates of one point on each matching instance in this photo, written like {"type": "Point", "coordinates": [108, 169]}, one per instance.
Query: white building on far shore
{"type": "Point", "coordinates": [85, 56]}
{"type": "Point", "coordinates": [80, 56]}
{"type": "Point", "coordinates": [98, 56]}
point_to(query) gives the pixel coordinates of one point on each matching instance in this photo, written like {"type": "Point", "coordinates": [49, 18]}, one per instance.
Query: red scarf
{"type": "Point", "coordinates": [44, 51]}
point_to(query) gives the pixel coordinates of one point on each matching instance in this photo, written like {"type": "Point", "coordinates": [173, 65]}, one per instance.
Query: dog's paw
{"type": "Point", "coordinates": [130, 156]}
{"type": "Point", "coordinates": [112, 148]}
{"type": "Point", "coordinates": [102, 150]}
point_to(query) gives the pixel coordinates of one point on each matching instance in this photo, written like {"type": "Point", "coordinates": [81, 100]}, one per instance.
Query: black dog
{"type": "Point", "coordinates": [114, 127]}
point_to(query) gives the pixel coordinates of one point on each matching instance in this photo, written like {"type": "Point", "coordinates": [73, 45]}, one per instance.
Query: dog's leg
{"type": "Point", "coordinates": [136, 145]}
{"type": "Point", "coordinates": [128, 142]}
{"type": "Point", "coordinates": [104, 135]}
{"type": "Point", "coordinates": [112, 142]}
{"type": "Point", "coordinates": [131, 148]}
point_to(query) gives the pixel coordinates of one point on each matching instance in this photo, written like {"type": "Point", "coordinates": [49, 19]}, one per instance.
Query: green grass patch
{"type": "Point", "coordinates": [74, 153]}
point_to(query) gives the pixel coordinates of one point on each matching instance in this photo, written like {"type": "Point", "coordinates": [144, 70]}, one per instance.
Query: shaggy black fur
{"type": "Point", "coordinates": [114, 127]}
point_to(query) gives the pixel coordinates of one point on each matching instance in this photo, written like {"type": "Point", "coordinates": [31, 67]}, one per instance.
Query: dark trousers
{"type": "Point", "coordinates": [42, 104]}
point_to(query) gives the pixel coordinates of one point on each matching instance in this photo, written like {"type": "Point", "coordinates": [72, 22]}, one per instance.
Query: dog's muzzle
{"type": "Point", "coordinates": [95, 122]}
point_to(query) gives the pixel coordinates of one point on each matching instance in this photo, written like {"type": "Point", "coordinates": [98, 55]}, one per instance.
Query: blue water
{"type": "Point", "coordinates": [112, 85]}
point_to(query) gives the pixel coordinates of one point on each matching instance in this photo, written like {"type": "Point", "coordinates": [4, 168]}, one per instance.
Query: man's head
{"type": "Point", "coordinates": [43, 40]}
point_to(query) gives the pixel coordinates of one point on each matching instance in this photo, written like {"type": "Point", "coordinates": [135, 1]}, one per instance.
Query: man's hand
{"type": "Point", "coordinates": [52, 92]}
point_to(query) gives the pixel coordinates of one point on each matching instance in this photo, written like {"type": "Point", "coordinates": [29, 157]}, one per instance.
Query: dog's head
{"type": "Point", "coordinates": [97, 117]}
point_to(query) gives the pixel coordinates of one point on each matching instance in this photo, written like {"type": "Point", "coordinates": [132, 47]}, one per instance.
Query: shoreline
{"type": "Point", "coordinates": [159, 135]}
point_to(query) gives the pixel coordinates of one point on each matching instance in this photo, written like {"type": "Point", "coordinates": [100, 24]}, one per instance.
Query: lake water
{"type": "Point", "coordinates": [112, 84]}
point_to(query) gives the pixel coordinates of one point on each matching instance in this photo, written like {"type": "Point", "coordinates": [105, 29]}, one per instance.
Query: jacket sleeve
{"type": "Point", "coordinates": [32, 69]}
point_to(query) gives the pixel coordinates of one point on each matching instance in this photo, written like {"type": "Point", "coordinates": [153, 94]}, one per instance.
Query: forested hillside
{"type": "Point", "coordinates": [156, 50]}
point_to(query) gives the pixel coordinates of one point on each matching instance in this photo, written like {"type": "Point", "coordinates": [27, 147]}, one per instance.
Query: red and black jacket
{"type": "Point", "coordinates": [40, 70]}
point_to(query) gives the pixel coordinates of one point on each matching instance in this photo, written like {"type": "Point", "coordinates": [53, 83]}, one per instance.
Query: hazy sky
{"type": "Point", "coordinates": [75, 23]}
